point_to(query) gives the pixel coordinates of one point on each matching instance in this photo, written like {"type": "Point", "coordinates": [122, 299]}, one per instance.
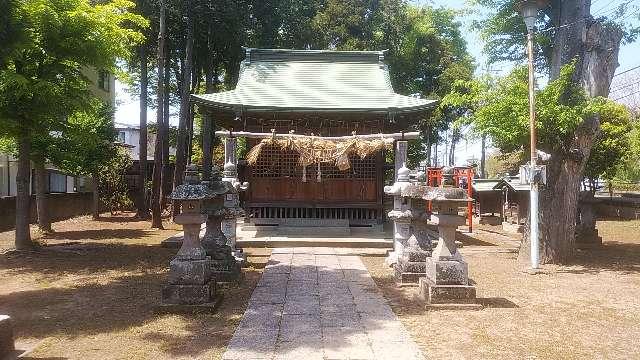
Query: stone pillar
{"type": "Point", "coordinates": [447, 274]}
{"type": "Point", "coordinates": [190, 282]}
{"type": "Point", "coordinates": [398, 207]}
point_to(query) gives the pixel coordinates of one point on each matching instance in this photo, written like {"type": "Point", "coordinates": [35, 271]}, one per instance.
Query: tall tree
{"type": "Point", "coordinates": [141, 203]}
{"type": "Point", "coordinates": [185, 107]}
{"type": "Point", "coordinates": [42, 83]}
{"type": "Point", "coordinates": [568, 33]}
{"type": "Point", "coordinates": [156, 210]}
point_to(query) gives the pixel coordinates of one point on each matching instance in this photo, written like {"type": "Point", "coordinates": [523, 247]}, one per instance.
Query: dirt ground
{"type": "Point", "coordinates": [91, 290]}
{"type": "Point", "coordinates": [90, 293]}
{"type": "Point", "coordinates": [589, 309]}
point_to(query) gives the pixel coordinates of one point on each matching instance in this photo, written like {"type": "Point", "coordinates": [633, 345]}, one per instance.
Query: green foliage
{"type": "Point", "coordinates": [86, 144]}
{"type": "Point", "coordinates": [112, 185]}
{"type": "Point", "coordinates": [613, 143]}
{"type": "Point", "coordinates": [560, 108]}
{"type": "Point", "coordinates": [629, 169]}
{"type": "Point", "coordinates": [504, 115]}
{"type": "Point", "coordinates": [499, 164]}
{"type": "Point", "coordinates": [42, 81]}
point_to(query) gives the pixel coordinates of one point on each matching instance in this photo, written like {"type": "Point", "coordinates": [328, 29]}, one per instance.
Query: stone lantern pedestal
{"type": "Point", "coordinates": [190, 284]}
{"type": "Point", "coordinates": [447, 274]}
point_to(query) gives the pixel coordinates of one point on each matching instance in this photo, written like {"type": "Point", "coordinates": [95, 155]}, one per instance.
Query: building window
{"type": "Point", "coordinates": [104, 80]}
{"type": "Point", "coordinates": [57, 182]}
{"type": "Point", "coordinates": [121, 137]}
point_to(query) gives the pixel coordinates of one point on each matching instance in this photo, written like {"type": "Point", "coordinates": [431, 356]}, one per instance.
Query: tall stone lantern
{"type": "Point", "coordinates": [233, 211]}
{"type": "Point", "coordinates": [225, 267]}
{"type": "Point", "coordinates": [190, 280]}
{"type": "Point", "coordinates": [446, 280]}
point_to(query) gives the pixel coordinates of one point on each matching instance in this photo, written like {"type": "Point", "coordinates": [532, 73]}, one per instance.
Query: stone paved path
{"type": "Point", "coordinates": [314, 303]}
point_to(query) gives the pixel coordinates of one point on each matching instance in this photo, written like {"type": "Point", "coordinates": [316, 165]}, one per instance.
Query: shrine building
{"type": "Point", "coordinates": [331, 97]}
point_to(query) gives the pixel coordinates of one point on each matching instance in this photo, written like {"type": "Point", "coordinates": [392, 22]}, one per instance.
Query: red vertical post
{"type": "Point", "coordinates": [470, 193]}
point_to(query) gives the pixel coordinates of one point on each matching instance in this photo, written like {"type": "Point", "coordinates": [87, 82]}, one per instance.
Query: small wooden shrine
{"type": "Point", "coordinates": [319, 167]}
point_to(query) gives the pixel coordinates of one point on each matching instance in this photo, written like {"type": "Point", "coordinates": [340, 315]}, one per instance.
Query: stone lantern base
{"type": "Point", "coordinates": [587, 238]}
{"type": "Point", "coordinates": [411, 265]}
{"type": "Point", "coordinates": [191, 287]}
{"type": "Point", "coordinates": [447, 275]}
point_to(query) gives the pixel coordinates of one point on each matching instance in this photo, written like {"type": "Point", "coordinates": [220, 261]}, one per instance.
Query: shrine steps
{"type": "Point", "coordinates": [337, 242]}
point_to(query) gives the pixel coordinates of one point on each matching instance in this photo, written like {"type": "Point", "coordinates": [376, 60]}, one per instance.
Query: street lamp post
{"type": "Point", "coordinates": [529, 11]}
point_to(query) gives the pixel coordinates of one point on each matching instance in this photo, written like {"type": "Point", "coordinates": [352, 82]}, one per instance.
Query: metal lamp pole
{"type": "Point", "coordinates": [529, 10]}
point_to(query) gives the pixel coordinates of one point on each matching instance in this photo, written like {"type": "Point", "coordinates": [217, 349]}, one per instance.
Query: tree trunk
{"type": "Point", "coordinates": [143, 209]}
{"type": "Point", "coordinates": [183, 126]}
{"type": "Point", "coordinates": [44, 221]}
{"type": "Point", "coordinates": [207, 127]}
{"type": "Point", "coordinates": [596, 51]}
{"type": "Point", "coordinates": [165, 188]}
{"type": "Point", "coordinates": [483, 157]}
{"type": "Point", "coordinates": [95, 181]}
{"type": "Point", "coordinates": [455, 137]}
{"type": "Point", "coordinates": [23, 198]}
{"type": "Point", "coordinates": [156, 210]}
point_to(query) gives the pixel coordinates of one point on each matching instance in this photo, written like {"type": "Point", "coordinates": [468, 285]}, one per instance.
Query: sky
{"type": "Point", "coordinates": [629, 57]}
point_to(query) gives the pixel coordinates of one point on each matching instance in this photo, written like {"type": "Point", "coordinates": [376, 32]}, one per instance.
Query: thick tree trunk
{"type": "Point", "coordinates": [156, 210]}
{"type": "Point", "coordinates": [44, 221]}
{"type": "Point", "coordinates": [23, 198]}
{"type": "Point", "coordinates": [143, 209]}
{"type": "Point", "coordinates": [595, 50]}
{"type": "Point", "coordinates": [183, 126]}
{"type": "Point", "coordinates": [95, 183]}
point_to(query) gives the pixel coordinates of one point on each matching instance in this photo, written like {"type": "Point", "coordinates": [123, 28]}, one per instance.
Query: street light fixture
{"type": "Point", "coordinates": [529, 11]}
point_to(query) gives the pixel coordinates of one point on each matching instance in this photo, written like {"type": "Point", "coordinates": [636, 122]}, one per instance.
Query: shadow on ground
{"type": "Point", "coordinates": [109, 290]}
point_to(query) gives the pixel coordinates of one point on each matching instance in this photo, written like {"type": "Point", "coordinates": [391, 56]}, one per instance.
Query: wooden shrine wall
{"type": "Point", "coordinates": [277, 178]}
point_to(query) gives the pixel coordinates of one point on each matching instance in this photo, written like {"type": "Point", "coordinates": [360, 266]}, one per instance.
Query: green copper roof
{"type": "Point", "coordinates": [313, 80]}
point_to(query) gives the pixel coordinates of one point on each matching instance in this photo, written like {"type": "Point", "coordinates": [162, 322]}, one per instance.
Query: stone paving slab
{"type": "Point", "coordinates": [319, 303]}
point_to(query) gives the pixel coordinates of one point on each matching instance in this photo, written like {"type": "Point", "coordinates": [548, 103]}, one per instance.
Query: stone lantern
{"type": "Point", "coordinates": [190, 277]}
{"type": "Point", "coordinates": [233, 211]}
{"type": "Point", "coordinates": [214, 241]}
{"type": "Point", "coordinates": [446, 280]}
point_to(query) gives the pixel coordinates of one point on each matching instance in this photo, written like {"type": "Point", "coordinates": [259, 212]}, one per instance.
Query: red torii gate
{"type": "Point", "coordinates": [434, 178]}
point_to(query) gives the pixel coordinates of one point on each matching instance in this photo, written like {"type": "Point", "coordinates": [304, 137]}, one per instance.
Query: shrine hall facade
{"type": "Point", "coordinates": [320, 93]}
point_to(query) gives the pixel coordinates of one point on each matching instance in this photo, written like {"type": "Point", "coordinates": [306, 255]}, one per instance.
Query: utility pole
{"type": "Point", "coordinates": [529, 10]}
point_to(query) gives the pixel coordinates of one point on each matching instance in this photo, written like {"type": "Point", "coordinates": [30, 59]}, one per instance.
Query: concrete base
{"type": "Point", "coordinates": [209, 307]}
{"type": "Point", "coordinates": [6, 336]}
{"type": "Point", "coordinates": [228, 277]}
{"type": "Point", "coordinates": [176, 294]}
{"type": "Point", "coordinates": [436, 307]}
{"type": "Point", "coordinates": [447, 272]}
{"type": "Point", "coordinates": [588, 239]}
{"type": "Point", "coordinates": [446, 294]}
{"type": "Point", "coordinates": [411, 266]}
